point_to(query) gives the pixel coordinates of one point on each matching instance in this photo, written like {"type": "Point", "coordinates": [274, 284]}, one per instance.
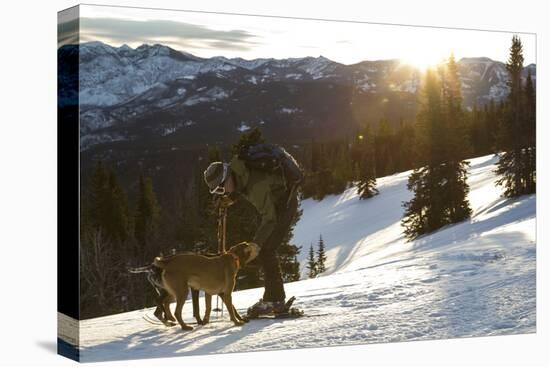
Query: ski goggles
{"type": "Point", "coordinates": [220, 189]}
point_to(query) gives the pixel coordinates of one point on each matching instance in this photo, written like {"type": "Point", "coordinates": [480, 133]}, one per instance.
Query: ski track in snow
{"type": "Point", "coordinates": [474, 278]}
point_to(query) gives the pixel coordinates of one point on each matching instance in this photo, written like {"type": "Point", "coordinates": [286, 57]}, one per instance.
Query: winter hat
{"type": "Point", "coordinates": [215, 175]}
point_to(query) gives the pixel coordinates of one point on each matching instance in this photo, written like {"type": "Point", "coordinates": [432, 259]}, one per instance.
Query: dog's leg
{"type": "Point", "coordinates": [208, 308]}
{"type": "Point", "coordinates": [238, 316]}
{"type": "Point", "coordinates": [180, 301]}
{"type": "Point", "coordinates": [160, 310]}
{"type": "Point", "coordinates": [196, 306]}
{"type": "Point", "coordinates": [228, 300]}
{"type": "Point", "coordinates": [166, 306]}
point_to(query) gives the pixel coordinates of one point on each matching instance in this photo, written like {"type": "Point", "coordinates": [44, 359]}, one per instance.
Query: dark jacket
{"type": "Point", "coordinates": [263, 190]}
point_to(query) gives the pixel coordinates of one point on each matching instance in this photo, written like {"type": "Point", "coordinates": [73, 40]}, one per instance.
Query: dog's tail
{"type": "Point", "coordinates": [143, 269]}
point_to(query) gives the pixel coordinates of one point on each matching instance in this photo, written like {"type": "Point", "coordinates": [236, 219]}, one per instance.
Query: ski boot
{"type": "Point", "coordinates": [272, 309]}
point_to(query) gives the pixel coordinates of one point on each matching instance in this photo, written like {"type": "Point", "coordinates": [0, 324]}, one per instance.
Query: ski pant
{"type": "Point", "coordinates": [273, 280]}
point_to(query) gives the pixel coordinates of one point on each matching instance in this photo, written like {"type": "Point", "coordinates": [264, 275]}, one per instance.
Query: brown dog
{"type": "Point", "coordinates": [214, 275]}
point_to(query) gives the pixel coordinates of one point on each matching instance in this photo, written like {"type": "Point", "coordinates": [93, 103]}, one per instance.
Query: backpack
{"type": "Point", "coordinates": [272, 158]}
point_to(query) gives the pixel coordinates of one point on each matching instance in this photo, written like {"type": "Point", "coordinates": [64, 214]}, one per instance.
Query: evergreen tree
{"type": "Point", "coordinates": [107, 206]}
{"type": "Point", "coordinates": [342, 168]}
{"type": "Point", "coordinates": [311, 263]}
{"type": "Point", "coordinates": [288, 254]}
{"type": "Point", "coordinates": [491, 126]}
{"type": "Point", "coordinates": [384, 149]}
{"type": "Point", "coordinates": [530, 132]}
{"type": "Point", "coordinates": [117, 211]}
{"type": "Point", "coordinates": [97, 196]}
{"type": "Point", "coordinates": [104, 236]}
{"type": "Point", "coordinates": [366, 186]}
{"type": "Point", "coordinates": [252, 137]}
{"type": "Point", "coordinates": [406, 146]}
{"type": "Point", "coordinates": [288, 260]}
{"type": "Point", "coordinates": [439, 186]}
{"type": "Point", "coordinates": [321, 256]}
{"type": "Point", "coordinates": [516, 166]}
{"type": "Point", "coordinates": [146, 217]}
{"type": "Point", "coordinates": [477, 130]}
{"type": "Point", "coordinates": [423, 213]}
{"type": "Point", "coordinates": [455, 168]}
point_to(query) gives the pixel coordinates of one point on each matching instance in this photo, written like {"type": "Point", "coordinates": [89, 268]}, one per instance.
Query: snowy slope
{"type": "Point", "coordinates": [474, 278]}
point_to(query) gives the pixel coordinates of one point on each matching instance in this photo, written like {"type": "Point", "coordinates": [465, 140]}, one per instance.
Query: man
{"type": "Point", "coordinates": [274, 196]}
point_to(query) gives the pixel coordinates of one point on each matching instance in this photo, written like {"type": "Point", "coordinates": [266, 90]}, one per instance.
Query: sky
{"type": "Point", "coordinates": [250, 37]}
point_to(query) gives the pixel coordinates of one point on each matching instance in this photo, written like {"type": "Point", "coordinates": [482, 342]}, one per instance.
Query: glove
{"type": "Point", "coordinates": [225, 201]}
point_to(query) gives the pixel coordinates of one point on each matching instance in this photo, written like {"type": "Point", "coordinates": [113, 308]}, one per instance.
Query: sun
{"type": "Point", "coordinates": [422, 61]}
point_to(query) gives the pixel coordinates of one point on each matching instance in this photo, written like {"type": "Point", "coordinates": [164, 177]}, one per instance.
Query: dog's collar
{"type": "Point", "coordinates": [237, 260]}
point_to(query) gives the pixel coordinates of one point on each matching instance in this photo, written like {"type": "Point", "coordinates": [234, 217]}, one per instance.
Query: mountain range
{"type": "Point", "coordinates": [156, 94]}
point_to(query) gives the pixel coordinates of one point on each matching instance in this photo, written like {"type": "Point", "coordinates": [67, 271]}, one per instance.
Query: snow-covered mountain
{"type": "Point", "coordinates": [469, 279]}
{"type": "Point", "coordinates": [128, 93]}
{"type": "Point", "coordinates": [111, 75]}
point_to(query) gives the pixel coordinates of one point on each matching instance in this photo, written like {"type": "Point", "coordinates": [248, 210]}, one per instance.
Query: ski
{"type": "Point", "coordinates": [288, 316]}
{"type": "Point", "coordinates": [150, 320]}
{"type": "Point", "coordinates": [288, 312]}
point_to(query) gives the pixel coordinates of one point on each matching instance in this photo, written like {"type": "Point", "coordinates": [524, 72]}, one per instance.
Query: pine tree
{"type": "Point", "coordinates": [321, 256]}
{"type": "Point", "coordinates": [406, 143]}
{"type": "Point", "coordinates": [98, 195]}
{"type": "Point", "coordinates": [384, 149]}
{"type": "Point", "coordinates": [491, 126]}
{"type": "Point", "coordinates": [342, 168]}
{"type": "Point", "coordinates": [252, 137]}
{"type": "Point", "coordinates": [366, 187]}
{"type": "Point", "coordinates": [423, 213]}
{"type": "Point", "coordinates": [439, 186]}
{"type": "Point", "coordinates": [107, 206]}
{"type": "Point", "coordinates": [146, 216]}
{"type": "Point", "coordinates": [288, 254]}
{"type": "Point", "coordinates": [530, 132]}
{"type": "Point", "coordinates": [458, 147]}
{"type": "Point", "coordinates": [516, 166]}
{"type": "Point", "coordinates": [288, 261]}
{"type": "Point", "coordinates": [116, 220]}
{"type": "Point", "coordinates": [311, 263]}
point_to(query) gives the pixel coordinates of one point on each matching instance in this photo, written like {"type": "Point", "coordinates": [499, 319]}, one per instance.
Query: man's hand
{"type": "Point", "coordinates": [225, 201]}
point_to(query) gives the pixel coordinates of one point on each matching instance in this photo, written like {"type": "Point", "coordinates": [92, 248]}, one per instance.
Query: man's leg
{"type": "Point", "coordinates": [273, 280]}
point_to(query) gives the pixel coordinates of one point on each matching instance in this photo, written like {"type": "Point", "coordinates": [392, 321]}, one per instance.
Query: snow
{"type": "Point", "coordinates": [169, 130]}
{"type": "Point", "coordinates": [210, 95]}
{"type": "Point", "coordinates": [289, 111]}
{"type": "Point", "coordinates": [110, 75]}
{"type": "Point", "coordinates": [248, 64]}
{"type": "Point", "coordinates": [243, 127]}
{"type": "Point", "coordinates": [470, 279]}
{"type": "Point", "coordinates": [89, 140]}
{"type": "Point", "coordinates": [409, 86]}
{"type": "Point", "coordinates": [293, 76]}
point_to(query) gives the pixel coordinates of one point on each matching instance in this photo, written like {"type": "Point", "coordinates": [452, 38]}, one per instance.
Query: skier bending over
{"type": "Point", "coordinates": [273, 192]}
